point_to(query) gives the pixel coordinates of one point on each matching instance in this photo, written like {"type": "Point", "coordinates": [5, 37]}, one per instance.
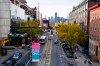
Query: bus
{"type": "Point", "coordinates": [43, 39]}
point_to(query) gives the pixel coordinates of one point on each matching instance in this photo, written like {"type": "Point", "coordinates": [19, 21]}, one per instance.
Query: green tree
{"type": "Point", "coordinates": [30, 31]}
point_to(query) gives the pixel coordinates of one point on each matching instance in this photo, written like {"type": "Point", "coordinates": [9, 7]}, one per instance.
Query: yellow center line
{"type": "Point", "coordinates": [50, 53]}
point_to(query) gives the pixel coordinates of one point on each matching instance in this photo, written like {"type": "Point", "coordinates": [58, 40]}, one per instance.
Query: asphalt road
{"type": "Point", "coordinates": [57, 57]}
{"type": "Point", "coordinates": [52, 54]}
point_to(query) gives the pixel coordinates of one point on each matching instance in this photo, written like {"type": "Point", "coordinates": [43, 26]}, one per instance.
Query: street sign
{"type": "Point", "coordinates": [35, 51]}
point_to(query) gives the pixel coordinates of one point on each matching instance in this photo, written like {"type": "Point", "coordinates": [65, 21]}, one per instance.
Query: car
{"type": "Point", "coordinates": [17, 55]}
{"type": "Point", "coordinates": [50, 37]}
{"type": "Point", "coordinates": [56, 42]}
{"type": "Point", "coordinates": [66, 47]}
{"type": "Point", "coordinates": [29, 47]}
{"type": "Point", "coordinates": [10, 62]}
{"type": "Point", "coordinates": [69, 54]}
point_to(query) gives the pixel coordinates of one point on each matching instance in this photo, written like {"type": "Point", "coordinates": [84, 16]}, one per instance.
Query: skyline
{"type": "Point", "coordinates": [48, 7]}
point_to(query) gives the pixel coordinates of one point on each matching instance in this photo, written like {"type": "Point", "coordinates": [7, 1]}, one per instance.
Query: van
{"type": "Point", "coordinates": [43, 39]}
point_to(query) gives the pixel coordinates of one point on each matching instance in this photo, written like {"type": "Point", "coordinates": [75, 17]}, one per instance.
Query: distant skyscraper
{"type": "Point", "coordinates": [56, 18]}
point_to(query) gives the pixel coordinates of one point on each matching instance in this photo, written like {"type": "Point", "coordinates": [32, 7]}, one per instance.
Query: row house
{"type": "Point", "coordinates": [87, 14]}
{"type": "Point", "coordinates": [80, 14]}
{"type": "Point", "coordinates": [94, 33]}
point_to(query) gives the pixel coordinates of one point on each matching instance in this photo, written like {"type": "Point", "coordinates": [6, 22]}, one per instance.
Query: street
{"type": "Point", "coordinates": [52, 55]}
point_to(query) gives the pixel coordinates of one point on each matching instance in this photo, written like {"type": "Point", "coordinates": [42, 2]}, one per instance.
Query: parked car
{"type": "Point", "coordinates": [69, 54]}
{"type": "Point", "coordinates": [9, 62]}
{"type": "Point", "coordinates": [66, 47]}
{"type": "Point", "coordinates": [17, 55]}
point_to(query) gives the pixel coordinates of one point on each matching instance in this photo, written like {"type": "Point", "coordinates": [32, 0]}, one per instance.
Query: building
{"type": "Point", "coordinates": [80, 14]}
{"type": "Point", "coordinates": [39, 19]}
{"type": "Point", "coordinates": [46, 23]}
{"type": "Point", "coordinates": [56, 20]}
{"type": "Point", "coordinates": [12, 13]}
{"type": "Point", "coordinates": [4, 18]}
{"type": "Point", "coordinates": [4, 21]}
{"type": "Point", "coordinates": [94, 33]}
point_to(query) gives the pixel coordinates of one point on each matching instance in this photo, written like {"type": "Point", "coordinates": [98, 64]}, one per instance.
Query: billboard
{"type": "Point", "coordinates": [35, 52]}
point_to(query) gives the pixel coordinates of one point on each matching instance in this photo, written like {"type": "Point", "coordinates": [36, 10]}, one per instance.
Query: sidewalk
{"type": "Point", "coordinates": [80, 60]}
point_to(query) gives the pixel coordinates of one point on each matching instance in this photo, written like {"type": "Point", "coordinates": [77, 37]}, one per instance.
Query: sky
{"type": "Point", "coordinates": [49, 7]}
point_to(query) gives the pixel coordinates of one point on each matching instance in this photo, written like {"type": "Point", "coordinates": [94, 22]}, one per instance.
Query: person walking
{"type": "Point", "coordinates": [86, 63]}
{"type": "Point", "coordinates": [90, 63]}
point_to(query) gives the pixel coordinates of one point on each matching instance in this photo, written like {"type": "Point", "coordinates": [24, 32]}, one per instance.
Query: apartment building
{"type": "Point", "coordinates": [80, 14]}
{"type": "Point", "coordinates": [12, 12]}
{"type": "Point", "coordinates": [94, 33]}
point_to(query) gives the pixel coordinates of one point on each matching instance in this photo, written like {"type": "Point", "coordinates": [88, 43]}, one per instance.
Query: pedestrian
{"type": "Point", "coordinates": [90, 63]}
{"type": "Point", "coordinates": [85, 61]}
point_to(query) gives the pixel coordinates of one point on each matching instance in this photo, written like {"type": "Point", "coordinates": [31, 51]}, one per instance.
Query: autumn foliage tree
{"type": "Point", "coordinates": [71, 34]}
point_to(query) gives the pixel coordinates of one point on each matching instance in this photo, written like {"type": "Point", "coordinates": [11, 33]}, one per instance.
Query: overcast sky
{"type": "Point", "coordinates": [49, 7]}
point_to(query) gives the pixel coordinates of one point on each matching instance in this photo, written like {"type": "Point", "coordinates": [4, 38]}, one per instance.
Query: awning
{"type": "Point", "coordinates": [17, 35]}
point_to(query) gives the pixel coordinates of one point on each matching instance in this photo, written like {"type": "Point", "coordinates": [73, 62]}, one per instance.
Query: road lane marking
{"type": "Point", "coordinates": [50, 54]}
{"type": "Point", "coordinates": [28, 62]}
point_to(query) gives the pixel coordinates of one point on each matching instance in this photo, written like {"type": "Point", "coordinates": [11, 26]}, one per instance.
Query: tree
{"type": "Point", "coordinates": [30, 31]}
{"type": "Point", "coordinates": [70, 33]}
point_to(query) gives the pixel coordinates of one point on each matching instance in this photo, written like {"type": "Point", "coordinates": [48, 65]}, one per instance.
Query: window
{"type": "Point", "coordinates": [90, 45]}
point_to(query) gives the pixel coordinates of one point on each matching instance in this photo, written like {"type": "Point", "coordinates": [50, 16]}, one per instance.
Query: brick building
{"type": "Point", "coordinates": [94, 33]}
{"type": "Point", "coordinates": [80, 14]}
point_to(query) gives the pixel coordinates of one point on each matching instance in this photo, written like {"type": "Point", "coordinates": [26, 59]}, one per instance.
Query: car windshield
{"type": "Point", "coordinates": [8, 61]}
{"type": "Point", "coordinates": [16, 54]}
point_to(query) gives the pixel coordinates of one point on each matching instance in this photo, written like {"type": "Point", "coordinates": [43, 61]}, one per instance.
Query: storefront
{"type": "Point", "coordinates": [4, 41]}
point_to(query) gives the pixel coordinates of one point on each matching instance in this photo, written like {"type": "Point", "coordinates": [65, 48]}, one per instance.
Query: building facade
{"type": "Point", "coordinates": [39, 19]}
{"type": "Point", "coordinates": [80, 14]}
{"type": "Point", "coordinates": [4, 18]}
{"type": "Point", "coordinates": [94, 33]}
{"type": "Point", "coordinates": [56, 20]}
{"type": "Point", "coordinates": [12, 13]}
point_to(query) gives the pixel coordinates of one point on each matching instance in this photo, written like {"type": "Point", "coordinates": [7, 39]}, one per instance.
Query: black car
{"type": "Point", "coordinates": [17, 55]}
{"type": "Point", "coordinates": [69, 54]}
{"type": "Point", "coordinates": [66, 47]}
